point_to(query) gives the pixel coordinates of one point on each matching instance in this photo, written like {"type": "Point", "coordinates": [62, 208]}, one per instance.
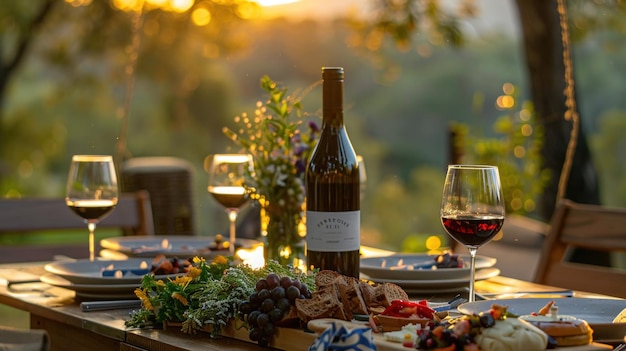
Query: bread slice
{"type": "Point", "coordinates": [381, 295]}
{"type": "Point", "coordinates": [368, 292]}
{"type": "Point", "coordinates": [326, 277]}
{"type": "Point", "coordinates": [355, 297]}
{"type": "Point", "coordinates": [325, 303]}
{"type": "Point", "coordinates": [391, 292]}
{"type": "Point", "coordinates": [339, 296]}
{"type": "Point", "coordinates": [341, 287]}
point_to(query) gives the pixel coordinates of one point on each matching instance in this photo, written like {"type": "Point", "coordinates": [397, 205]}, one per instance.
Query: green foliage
{"type": "Point", "coordinates": [276, 138]}
{"type": "Point", "coordinates": [209, 294]}
{"type": "Point", "coordinates": [400, 19]}
{"type": "Point", "coordinates": [66, 97]}
{"type": "Point", "coordinates": [516, 150]}
{"type": "Point", "coordinates": [404, 215]}
{"type": "Point", "coordinates": [609, 148]}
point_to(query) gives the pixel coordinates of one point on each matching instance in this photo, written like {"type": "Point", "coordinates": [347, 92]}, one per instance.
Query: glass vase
{"type": "Point", "coordinates": [283, 230]}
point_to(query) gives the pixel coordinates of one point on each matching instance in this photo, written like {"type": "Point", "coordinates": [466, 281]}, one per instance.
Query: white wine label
{"type": "Point", "coordinates": [333, 231]}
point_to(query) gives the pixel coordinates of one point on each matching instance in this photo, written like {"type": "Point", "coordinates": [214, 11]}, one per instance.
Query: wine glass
{"type": "Point", "coordinates": [227, 185]}
{"type": "Point", "coordinates": [91, 191]}
{"type": "Point", "coordinates": [472, 208]}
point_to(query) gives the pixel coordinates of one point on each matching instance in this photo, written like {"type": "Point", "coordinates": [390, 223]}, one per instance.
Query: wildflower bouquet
{"type": "Point", "coordinates": [280, 148]}
{"type": "Point", "coordinates": [209, 294]}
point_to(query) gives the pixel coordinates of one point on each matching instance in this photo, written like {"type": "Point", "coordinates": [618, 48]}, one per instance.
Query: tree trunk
{"type": "Point", "coordinates": [10, 65]}
{"type": "Point", "coordinates": [543, 47]}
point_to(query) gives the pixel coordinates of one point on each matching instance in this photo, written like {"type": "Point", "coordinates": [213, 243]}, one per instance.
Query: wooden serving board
{"type": "Point", "coordinates": [296, 339]}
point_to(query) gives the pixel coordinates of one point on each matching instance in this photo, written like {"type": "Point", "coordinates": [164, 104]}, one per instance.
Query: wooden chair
{"type": "Point", "coordinates": [132, 215]}
{"type": "Point", "coordinates": [593, 227]}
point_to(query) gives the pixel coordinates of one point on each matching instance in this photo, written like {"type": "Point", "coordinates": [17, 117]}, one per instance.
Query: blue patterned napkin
{"type": "Point", "coordinates": [342, 339]}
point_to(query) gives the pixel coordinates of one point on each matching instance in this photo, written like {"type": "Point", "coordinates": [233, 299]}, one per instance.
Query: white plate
{"type": "Point", "coordinates": [599, 313]}
{"type": "Point", "coordinates": [388, 267]}
{"type": "Point", "coordinates": [183, 246]}
{"type": "Point", "coordinates": [93, 291]}
{"type": "Point", "coordinates": [438, 285]}
{"type": "Point", "coordinates": [101, 272]}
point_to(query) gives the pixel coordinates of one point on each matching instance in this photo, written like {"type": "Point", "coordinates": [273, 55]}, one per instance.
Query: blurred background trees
{"type": "Point", "coordinates": [197, 67]}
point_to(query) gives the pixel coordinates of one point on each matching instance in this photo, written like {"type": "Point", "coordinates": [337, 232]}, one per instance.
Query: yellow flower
{"type": "Point", "coordinates": [194, 272]}
{"type": "Point", "coordinates": [160, 283]}
{"type": "Point", "coordinates": [198, 260]}
{"type": "Point", "coordinates": [180, 297]}
{"type": "Point", "coordinates": [182, 280]}
{"type": "Point", "coordinates": [145, 301]}
{"type": "Point", "coordinates": [219, 259]}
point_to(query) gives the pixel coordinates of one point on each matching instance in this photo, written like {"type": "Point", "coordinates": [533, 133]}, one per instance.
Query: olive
{"type": "Point", "coordinates": [487, 321]}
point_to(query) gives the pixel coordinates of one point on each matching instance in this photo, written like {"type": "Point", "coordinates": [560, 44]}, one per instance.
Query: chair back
{"type": "Point", "coordinates": [169, 181]}
{"type": "Point", "coordinates": [132, 215]}
{"type": "Point", "coordinates": [583, 226]}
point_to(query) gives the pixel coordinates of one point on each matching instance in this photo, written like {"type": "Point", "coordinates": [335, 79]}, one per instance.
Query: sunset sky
{"type": "Point", "coordinates": [499, 16]}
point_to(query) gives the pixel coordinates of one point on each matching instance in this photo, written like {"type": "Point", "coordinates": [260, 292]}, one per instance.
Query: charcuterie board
{"type": "Point", "coordinates": [295, 339]}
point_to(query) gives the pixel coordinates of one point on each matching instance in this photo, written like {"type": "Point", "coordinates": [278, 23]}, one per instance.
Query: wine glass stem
{"type": "Point", "coordinates": [232, 217]}
{"type": "Point", "coordinates": [472, 251]}
{"type": "Point", "coordinates": [92, 229]}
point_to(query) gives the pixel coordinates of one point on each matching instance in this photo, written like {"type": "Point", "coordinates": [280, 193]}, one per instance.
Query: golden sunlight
{"type": "Point", "coordinates": [252, 257]}
{"type": "Point", "coordinates": [201, 16]}
{"type": "Point", "coordinates": [274, 2]}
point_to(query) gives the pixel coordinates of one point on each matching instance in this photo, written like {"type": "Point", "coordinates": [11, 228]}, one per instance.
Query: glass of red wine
{"type": "Point", "coordinates": [227, 176]}
{"type": "Point", "coordinates": [472, 208]}
{"type": "Point", "coordinates": [92, 191]}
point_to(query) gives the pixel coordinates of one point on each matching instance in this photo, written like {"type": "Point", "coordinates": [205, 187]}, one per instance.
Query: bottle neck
{"type": "Point", "coordinates": [332, 102]}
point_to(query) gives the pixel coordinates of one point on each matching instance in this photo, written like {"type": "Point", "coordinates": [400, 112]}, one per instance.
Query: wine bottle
{"type": "Point", "coordinates": [333, 201]}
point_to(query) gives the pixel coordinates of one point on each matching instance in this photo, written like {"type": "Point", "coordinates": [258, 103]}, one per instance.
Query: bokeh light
{"type": "Point", "coordinates": [180, 6]}
{"type": "Point", "coordinates": [505, 102]}
{"type": "Point", "coordinates": [128, 5]}
{"type": "Point", "coordinates": [527, 130]}
{"type": "Point", "coordinates": [78, 3]}
{"type": "Point", "coordinates": [433, 243]}
{"type": "Point", "coordinates": [201, 16]}
{"type": "Point", "coordinates": [508, 88]}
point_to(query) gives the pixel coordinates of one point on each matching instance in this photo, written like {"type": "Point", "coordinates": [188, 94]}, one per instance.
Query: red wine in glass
{"type": "Point", "coordinates": [472, 208]}
{"type": "Point", "coordinates": [91, 209]}
{"type": "Point", "coordinates": [472, 231]}
{"type": "Point", "coordinates": [92, 191]}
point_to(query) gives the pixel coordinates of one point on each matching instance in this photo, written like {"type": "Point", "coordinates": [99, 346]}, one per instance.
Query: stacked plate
{"type": "Point", "coordinates": [101, 279]}
{"type": "Point", "coordinates": [417, 273]}
{"type": "Point", "coordinates": [171, 246]}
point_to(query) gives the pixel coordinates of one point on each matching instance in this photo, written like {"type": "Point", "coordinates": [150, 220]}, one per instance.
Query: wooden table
{"type": "Point", "coordinates": [69, 328]}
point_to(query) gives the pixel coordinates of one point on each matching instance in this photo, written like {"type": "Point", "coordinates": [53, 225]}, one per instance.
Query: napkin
{"type": "Point", "coordinates": [12, 339]}
{"type": "Point", "coordinates": [342, 339]}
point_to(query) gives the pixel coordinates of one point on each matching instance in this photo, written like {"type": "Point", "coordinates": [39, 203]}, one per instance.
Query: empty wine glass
{"type": "Point", "coordinates": [91, 191]}
{"type": "Point", "coordinates": [227, 175]}
{"type": "Point", "coordinates": [472, 208]}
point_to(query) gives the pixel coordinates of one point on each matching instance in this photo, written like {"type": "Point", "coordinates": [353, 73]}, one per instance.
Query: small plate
{"type": "Point", "coordinates": [438, 285]}
{"type": "Point", "coordinates": [183, 246]}
{"type": "Point", "coordinates": [102, 272]}
{"type": "Point", "coordinates": [92, 291]}
{"type": "Point", "coordinates": [599, 313]}
{"type": "Point", "coordinates": [398, 267]}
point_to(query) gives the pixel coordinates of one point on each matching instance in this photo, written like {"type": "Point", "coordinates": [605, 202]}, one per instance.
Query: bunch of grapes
{"type": "Point", "coordinates": [272, 300]}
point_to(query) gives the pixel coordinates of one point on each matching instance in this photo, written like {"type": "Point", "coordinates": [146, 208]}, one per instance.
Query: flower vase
{"type": "Point", "coordinates": [283, 231]}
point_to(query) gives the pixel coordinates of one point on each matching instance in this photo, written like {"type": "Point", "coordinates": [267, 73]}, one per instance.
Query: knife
{"type": "Point", "coordinates": [88, 306]}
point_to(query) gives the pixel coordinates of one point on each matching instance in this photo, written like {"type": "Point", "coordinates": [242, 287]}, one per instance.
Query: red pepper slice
{"type": "Point", "coordinates": [402, 308]}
